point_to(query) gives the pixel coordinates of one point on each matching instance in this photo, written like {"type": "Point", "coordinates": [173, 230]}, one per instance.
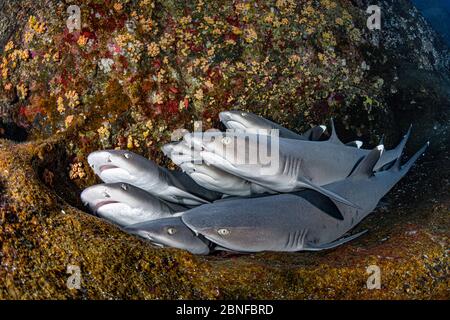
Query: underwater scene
{"type": "Point", "coordinates": [224, 150]}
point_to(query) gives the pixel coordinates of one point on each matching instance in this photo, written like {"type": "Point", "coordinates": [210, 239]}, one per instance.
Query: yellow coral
{"type": "Point", "coordinates": [22, 91]}
{"type": "Point", "coordinates": [250, 35]}
{"type": "Point", "coordinates": [9, 46]}
{"type": "Point", "coordinates": [104, 132]}
{"type": "Point", "coordinates": [35, 25]}
{"type": "Point", "coordinates": [73, 98]}
{"type": "Point", "coordinates": [76, 171]}
{"type": "Point", "coordinates": [153, 49]}
{"type": "Point", "coordinates": [199, 94]}
{"type": "Point", "coordinates": [118, 6]}
{"type": "Point", "coordinates": [68, 121]}
{"type": "Point", "coordinates": [185, 20]}
{"type": "Point", "coordinates": [60, 105]}
{"type": "Point", "coordinates": [28, 37]}
{"type": "Point", "coordinates": [82, 40]}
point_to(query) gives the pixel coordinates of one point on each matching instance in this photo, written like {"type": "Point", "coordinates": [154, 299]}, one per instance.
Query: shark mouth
{"type": "Point", "coordinates": [107, 166]}
{"type": "Point", "coordinates": [236, 125]}
{"type": "Point", "coordinates": [103, 203]}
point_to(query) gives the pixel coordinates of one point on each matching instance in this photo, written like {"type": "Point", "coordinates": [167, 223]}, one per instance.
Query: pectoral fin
{"type": "Point", "coordinates": [321, 202]}
{"type": "Point", "coordinates": [327, 193]}
{"type": "Point", "coordinates": [334, 244]}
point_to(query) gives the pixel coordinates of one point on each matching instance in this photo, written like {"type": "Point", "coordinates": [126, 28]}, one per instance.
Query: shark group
{"type": "Point", "coordinates": [315, 192]}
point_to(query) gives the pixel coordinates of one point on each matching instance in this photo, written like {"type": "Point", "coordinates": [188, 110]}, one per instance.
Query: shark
{"type": "Point", "coordinates": [298, 221]}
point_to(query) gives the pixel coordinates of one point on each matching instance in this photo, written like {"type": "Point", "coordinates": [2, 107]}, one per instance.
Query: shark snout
{"type": "Point", "coordinates": [225, 116]}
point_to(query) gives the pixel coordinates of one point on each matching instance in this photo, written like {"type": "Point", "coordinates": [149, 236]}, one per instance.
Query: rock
{"type": "Point", "coordinates": [166, 64]}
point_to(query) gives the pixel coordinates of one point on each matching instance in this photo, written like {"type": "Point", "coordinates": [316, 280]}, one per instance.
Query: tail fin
{"type": "Point", "coordinates": [390, 156]}
{"type": "Point", "coordinates": [405, 168]}
{"type": "Point", "coordinates": [401, 145]}
{"type": "Point", "coordinates": [366, 166]}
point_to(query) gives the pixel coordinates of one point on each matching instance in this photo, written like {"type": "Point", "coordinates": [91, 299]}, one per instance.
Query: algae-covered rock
{"type": "Point", "coordinates": [138, 70]}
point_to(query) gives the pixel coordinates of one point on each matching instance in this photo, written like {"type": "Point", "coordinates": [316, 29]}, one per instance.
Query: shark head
{"type": "Point", "coordinates": [224, 224]}
{"type": "Point", "coordinates": [242, 120]}
{"type": "Point", "coordinates": [236, 151]}
{"type": "Point", "coordinates": [181, 152]}
{"type": "Point", "coordinates": [123, 204]}
{"type": "Point", "coordinates": [215, 179]}
{"type": "Point", "coordinates": [170, 232]}
{"type": "Point", "coordinates": [122, 165]}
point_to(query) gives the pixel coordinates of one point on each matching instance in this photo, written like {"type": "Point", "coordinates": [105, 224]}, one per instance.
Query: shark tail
{"type": "Point", "coordinates": [403, 169]}
{"type": "Point", "coordinates": [390, 156]}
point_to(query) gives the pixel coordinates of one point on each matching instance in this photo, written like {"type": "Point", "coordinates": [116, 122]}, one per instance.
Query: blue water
{"type": "Point", "coordinates": [437, 12]}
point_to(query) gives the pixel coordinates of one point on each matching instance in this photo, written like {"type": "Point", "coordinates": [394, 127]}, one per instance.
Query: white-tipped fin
{"type": "Point", "coordinates": [357, 144]}
{"type": "Point", "coordinates": [315, 133]}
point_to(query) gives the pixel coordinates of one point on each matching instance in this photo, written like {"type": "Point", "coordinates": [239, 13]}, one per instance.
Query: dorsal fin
{"type": "Point", "coordinates": [365, 167]}
{"type": "Point", "coordinates": [334, 138]}
{"type": "Point", "coordinates": [315, 133]}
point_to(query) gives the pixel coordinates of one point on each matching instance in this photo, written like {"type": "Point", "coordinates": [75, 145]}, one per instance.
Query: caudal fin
{"type": "Point", "coordinates": [407, 166]}
{"type": "Point", "coordinates": [390, 156]}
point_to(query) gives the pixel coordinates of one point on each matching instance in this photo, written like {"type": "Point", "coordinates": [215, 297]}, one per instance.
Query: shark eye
{"type": "Point", "coordinates": [124, 186]}
{"type": "Point", "coordinates": [171, 230]}
{"type": "Point", "coordinates": [223, 232]}
{"type": "Point", "coordinates": [243, 114]}
{"type": "Point", "coordinates": [226, 140]}
{"type": "Point", "coordinates": [127, 155]}
{"type": "Point", "coordinates": [106, 195]}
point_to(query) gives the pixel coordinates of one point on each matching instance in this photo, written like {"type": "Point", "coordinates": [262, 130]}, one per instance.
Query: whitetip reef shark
{"type": "Point", "coordinates": [292, 222]}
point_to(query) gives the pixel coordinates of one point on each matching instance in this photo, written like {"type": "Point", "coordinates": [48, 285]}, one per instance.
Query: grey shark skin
{"type": "Point", "coordinates": [243, 120]}
{"type": "Point", "coordinates": [289, 222]}
{"type": "Point", "coordinates": [217, 180]}
{"type": "Point", "coordinates": [302, 164]}
{"type": "Point", "coordinates": [124, 204]}
{"type": "Point", "coordinates": [209, 177]}
{"type": "Point", "coordinates": [125, 166]}
{"type": "Point", "coordinates": [386, 158]}
{"type": "Point", "coordinates": [170, 232]}
{"type": "Point", "coordinates": [297, 168]}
